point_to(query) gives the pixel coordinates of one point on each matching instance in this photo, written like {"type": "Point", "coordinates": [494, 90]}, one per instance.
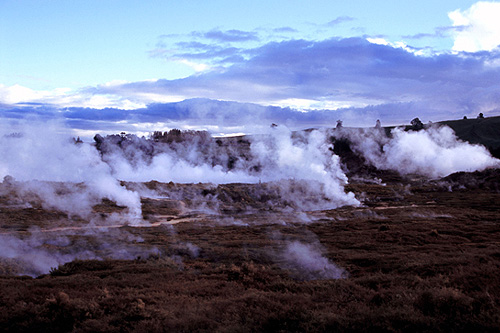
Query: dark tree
{"type": "Point", "coordinates": [416, 124]}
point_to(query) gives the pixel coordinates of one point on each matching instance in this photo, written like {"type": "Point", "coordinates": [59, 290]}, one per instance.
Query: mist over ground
{"type": "Point", "coordinates": [40, 154]}
{"type": "Point", "coordinates": [291, 171]}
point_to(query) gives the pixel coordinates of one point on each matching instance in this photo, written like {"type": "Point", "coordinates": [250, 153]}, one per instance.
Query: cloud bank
{"type": "Point", "coordinates": [339, 73]}
{"type": "Point", "coordinates": [349, 78]}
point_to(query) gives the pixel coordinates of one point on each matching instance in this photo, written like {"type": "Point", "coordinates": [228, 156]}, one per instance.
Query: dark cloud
{"type": "Point", "coordinates": [352, 70]}
{"type": "Point", "coordinates": [340, 69]}
{"type": "Point", "coordinates": [170, 36]}
{"type": "Point", "coordinates": [209, 52]}
{"type": "Point", "coordinates": [340, 19]}
{"type": "Point", "coordinates": [194, 50]}
{"type": "Point", "coordinates": [439, 32]}
{"type": "Point", "coordinates": [194, 45]}
{"type": "Point", "coordinates": [285, 30]}
{"type": "Point", "coordinates": [201, 113]}
{"type": "Point", "coordinates": [421, 36]}
{"type": "Point", "coordinates": [214, 47]}
{"type": "Point", "coordinates": [228, 35]}
{"type": "Point", "coordinates": [218, 116]}
{"type": "Point", "coordinates": [29, 110]}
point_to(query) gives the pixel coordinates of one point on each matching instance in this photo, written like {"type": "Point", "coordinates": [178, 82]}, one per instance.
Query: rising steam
{"type": "Point", "coordinates": [40, 155]}
{"type": "Point", "coordinates": [433, 152]}
{"type": "Point", "coordinates": [278, 156]}
{"type": "Point", "coordinates": [287, 170]}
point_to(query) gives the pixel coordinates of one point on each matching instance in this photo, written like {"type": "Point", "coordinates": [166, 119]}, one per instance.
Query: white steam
{"type": "Point", "coordinates": [30, 257]}
{"type": "Point", "coordinates": [306, 156]}
{"type": "Point", "coordinates": [307, 262]}
{"type": "Point", "coordinates": [279, 156]}
{"type": "Point", "coordinates": [41, 251]}
{"type": "Point", "coordinates": [433, 152]}
{"type": "Point", "coordinates": [171, 167]}
{"type": "Point", "coordinates": [40, 165]}
{"type": "Point", "coordinates": [40, 155]}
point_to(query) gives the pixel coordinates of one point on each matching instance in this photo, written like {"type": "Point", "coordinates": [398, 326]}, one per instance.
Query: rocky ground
{"type": "Point", "coordinates": [416, 255]}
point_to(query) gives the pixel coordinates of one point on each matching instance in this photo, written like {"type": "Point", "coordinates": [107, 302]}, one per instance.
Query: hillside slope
{"type": "Point", "coordinates": [478, 131]}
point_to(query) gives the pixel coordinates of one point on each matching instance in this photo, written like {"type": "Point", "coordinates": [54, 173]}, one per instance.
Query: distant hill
{"type": "Point", "coordinates": [484, 131]}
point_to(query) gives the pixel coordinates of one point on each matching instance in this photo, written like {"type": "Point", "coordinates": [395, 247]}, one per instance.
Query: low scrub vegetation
{"type": "Point", "coordinates": [414, 257]}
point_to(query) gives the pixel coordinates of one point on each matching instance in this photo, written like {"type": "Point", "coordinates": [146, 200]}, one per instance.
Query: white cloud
{"type": "Point", "coordinates": [66, 97]}
{"type": "Point", "coordinates": [18, 94]}
{"type": "Point", "coordinates": [478, 28]}
{"type": "Point", "coordinates": [197, 67]}
{"type": "Point", "coordinates": [379, 41]}
{"type": "Point", "coordinates": [295, 103]}
{"type": "Point", "coordinates": [399, 44]}
{"type": "Point", "coordinates": [105, 101]}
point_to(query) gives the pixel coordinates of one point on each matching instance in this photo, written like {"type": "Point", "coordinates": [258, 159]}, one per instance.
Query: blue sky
{"type": "Point", "coordinates": [356, 60]}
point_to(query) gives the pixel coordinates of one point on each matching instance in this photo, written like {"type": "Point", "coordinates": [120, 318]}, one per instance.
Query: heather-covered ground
{"type": "Point", "coordinates": [416, 255]}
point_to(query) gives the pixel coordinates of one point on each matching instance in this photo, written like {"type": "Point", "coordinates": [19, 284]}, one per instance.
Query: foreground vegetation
{"type": "Point", "coordinates": [417, 256]}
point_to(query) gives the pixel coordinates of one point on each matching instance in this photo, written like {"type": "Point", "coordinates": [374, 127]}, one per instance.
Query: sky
{"type": "Point", "coordinates": [228, 67]}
